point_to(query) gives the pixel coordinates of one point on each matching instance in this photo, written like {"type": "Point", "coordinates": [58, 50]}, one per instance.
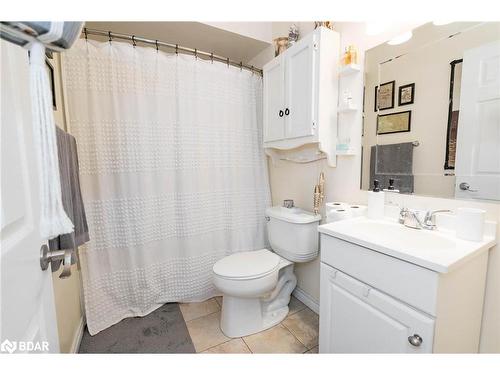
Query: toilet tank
{"type": "Point", "coordinates": [293, 233]}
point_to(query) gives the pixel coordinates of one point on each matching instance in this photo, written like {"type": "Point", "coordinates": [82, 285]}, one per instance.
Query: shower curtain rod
{"type": "Point", "coordinates": [210, 56]}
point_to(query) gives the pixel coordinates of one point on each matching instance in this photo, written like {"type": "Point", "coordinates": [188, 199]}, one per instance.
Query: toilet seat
{"type": "Point", "coordinates": [247, 265]}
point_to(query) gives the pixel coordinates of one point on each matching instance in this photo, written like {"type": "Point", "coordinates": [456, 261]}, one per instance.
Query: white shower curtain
{"type": "Point", "coordinates": [172, 170]}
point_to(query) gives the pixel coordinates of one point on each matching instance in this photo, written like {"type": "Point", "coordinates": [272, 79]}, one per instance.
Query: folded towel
{"type": "Point", "coordinates": [393, 161]}
{"type": "Point", "coordinates": [71, 194]}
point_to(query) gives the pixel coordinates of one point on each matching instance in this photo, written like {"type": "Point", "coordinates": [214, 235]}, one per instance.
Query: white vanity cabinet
{"type": "Point", "coordinates": [374, 303]}
{"type": "Point", "coordinates": [300, 94]}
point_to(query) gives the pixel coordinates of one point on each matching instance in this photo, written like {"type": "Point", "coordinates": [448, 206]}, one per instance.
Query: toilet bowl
{"type": "Point", "coordinates": [256, 285]}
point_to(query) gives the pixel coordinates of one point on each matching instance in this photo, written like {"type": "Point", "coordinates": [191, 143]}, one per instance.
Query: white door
{"type": "Point", "coordinates": [28, 317]}
{"type": "Point", "coordinates": [478, 141]}
{"type": "Point", "coordinates": [299, 77]}
{"type": "Point", "coordinates": [355, 318]}
{"type": "Point", "coordinates": [274, 100]}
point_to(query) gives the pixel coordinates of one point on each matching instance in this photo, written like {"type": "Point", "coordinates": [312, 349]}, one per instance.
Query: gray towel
{"type": "Point", "coordinates": [71, 194]}
{"type": "Point", "coordinates": [393, 161]}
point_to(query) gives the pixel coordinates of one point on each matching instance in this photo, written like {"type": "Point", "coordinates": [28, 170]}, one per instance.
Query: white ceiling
{"type": "Point", "coordinates": [190, 34]}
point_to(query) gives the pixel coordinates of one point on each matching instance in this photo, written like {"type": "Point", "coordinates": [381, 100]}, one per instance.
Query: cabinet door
{"type": "Point", "coordinates": [357, 319]}
{"type": "Point", "coordinates": [274, 100]}
{"type": "Point", "coordinates": [299, 85]}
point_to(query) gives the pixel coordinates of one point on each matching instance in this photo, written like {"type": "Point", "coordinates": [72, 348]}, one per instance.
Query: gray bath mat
{"type": "Point", "coordinates": [162, 331]}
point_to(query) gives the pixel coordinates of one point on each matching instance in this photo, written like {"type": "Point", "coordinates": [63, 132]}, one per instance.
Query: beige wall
{"type": "Point", "coordinates": [429, 68]}
{"type": "Point", "coordinates": [296, 181]}
{"type": "Point", "coordinates": [66, 291]}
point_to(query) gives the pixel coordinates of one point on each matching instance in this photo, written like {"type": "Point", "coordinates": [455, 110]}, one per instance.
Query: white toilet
{"type": "Point", "coordinates": [256, 285]}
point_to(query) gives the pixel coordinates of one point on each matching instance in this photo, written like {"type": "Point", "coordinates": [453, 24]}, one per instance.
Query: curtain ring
{"type": "Point", "coordinates": [176, 49]}
{"type": "Point", "coordinates": [85, 32]}
{"type": "Point", "coordinates": [133, 41]}
{"type": "Point", "coordinates": [212, 57]}
{"type": "Point", "coordinates": [241, 66]}
{"type": "Point", "coordinates": [196, 54]}
{"type": "Point", "coordinates": [109, 36]}
{"type": "Point", "coordinates": [252, 69]}
{"type": "Point", "coordinates": [156, 43]}
{"type": "Point", "coordinates": [228, 62]}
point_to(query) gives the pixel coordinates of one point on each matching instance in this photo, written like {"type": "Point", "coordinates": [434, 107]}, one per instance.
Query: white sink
{"type": "Point", "coordinates": [436, 250]}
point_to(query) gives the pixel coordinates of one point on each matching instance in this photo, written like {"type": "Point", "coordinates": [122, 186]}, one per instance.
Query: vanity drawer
{"type": "Point", "coordinates": [415, 285]}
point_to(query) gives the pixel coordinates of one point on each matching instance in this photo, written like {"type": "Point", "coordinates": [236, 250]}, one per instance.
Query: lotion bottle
{"type": "Point", "coordinates": [376, 201]}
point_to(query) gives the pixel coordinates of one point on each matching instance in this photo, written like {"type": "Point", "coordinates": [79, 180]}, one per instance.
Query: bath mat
{"type": "Point", "coordinates": [162, 331]}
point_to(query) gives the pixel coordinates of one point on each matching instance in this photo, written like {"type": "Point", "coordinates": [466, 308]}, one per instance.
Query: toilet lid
{"type": "Point", "coordinates": [247, 264]}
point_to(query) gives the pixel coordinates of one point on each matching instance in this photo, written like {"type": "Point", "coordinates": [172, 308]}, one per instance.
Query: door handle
{"type": "Point", "coordinates": [287, 111]}
{"type": "Point", "coordinates": [47, 256]}
{"type": "Point", "coordinates": [465, 186]}
{"type": "Point", "coordinates": [280, 113]}
{"type": "Point", "coordinates": [415, 340]}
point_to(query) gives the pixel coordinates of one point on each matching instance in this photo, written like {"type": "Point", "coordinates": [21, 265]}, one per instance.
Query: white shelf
{"type": "Point", "coordinates": [349, 69]}
{"type": "Point", "coordinates": [348, 152]}
{"type": "Point", "coordinates": [347, 109]}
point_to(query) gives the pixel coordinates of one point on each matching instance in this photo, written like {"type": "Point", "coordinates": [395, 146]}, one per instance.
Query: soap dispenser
{"type": "Point", "coordinates": [376, 201]}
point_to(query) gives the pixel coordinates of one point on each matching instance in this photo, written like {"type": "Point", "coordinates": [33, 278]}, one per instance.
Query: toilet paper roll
{"type": "Point", "coordinates": [470, 224]}
{"type": "Point", "coordinates": [335, 206]}
{"type": "Point", "coordinates": [358, 210]}
{"type": "Point", "coordinates": [338, 214]}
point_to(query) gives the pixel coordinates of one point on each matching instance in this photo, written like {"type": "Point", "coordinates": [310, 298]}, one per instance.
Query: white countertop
{"type": "Point", "coordinates": [438, 250]}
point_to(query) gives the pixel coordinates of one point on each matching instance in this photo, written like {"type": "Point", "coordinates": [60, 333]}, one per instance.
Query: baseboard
{"type": "Point", "coordinates": [77, 339]}
{"type": "Point", "coordinates": [306, 299]}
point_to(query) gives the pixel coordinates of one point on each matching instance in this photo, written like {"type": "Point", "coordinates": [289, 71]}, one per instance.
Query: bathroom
{"type": "Point", "coordinates": [251, 187]}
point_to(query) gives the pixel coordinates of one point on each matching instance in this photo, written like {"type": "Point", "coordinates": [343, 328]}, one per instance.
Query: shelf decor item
{"type": "Point", "coordinates": [293, 34]}
{"type": "Point", "coordinates": [406, 94]}
{"type": "Point", "coordinates": [280, 45]}
{"type": "Point", "coordinates": [384, 96]}
{"type": "Point", "coordinates": [398, 122]}
{"type": "Point", "coordinates": [327, 24]}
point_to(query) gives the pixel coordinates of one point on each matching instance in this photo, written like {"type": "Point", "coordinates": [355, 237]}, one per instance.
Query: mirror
{"type": "Point", "coordinates": [432, 112]}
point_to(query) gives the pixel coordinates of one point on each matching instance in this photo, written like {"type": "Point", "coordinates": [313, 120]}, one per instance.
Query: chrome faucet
{"type": "Point", "coordinates": [411, 219]}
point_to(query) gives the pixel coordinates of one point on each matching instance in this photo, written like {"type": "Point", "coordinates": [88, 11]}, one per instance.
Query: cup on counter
{"type": "Point", "coordinates": [470, 223]}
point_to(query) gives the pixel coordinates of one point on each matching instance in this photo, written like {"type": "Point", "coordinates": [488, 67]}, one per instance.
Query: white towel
{"type": "Point", "coordinates": [53, 220]}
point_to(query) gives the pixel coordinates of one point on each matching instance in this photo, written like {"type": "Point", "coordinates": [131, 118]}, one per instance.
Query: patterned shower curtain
{"type": "Point", "coordinates": [172, 170]}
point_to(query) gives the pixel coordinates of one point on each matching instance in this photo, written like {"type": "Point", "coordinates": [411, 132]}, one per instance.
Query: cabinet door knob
{"type": "Point", "coordinates": [415, 340]}
{"type": "Point", "coordinates": [287, 111]}
{"type": "Point", "coordinates": [280, 113]}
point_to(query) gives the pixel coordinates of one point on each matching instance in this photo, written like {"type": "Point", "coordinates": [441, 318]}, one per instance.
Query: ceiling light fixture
{"type": "Point", "coordinates": [400, 38]}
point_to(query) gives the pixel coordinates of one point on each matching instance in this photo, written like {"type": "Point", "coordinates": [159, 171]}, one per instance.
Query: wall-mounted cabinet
{"type": "Point", "coordinates": [301, 95]}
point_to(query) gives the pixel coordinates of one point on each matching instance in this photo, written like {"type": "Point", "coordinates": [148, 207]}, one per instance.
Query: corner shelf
{"type": "Point", "coordinates": [347, 70]}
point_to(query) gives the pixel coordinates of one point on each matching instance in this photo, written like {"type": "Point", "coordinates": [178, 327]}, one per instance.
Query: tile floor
{"type": "Point", "coordinates": [298, 333]}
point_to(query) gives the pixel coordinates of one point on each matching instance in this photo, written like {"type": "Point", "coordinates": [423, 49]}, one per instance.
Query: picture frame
{"type": "Point", "coordinates": [50, 73]}
{"type": "Point", "coordinates": [406, 94]}
{"type": "Point", "coordinates": [398, 122]}
{"type": "Point", "coordinates": [384, 97]}
{"type": "Point", "coordinates": [453, 113]}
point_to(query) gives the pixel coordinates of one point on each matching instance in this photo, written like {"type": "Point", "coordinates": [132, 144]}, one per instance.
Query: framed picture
{"type": "Point", "coordinates": [398, 122]}
{"type": "Point", "coordinates": [406, 94]}
{"type": "Point", "coordinates": [384, 96]}
{"type": "Point", "coordinates": [50, 73]}
{"type": "Point", "coordinates": [453, 111]}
